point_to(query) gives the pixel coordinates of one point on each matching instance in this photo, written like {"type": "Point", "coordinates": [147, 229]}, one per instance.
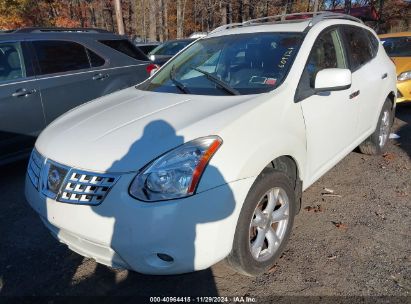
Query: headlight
{"type": "Point", "coordinates": [404, 76]}
{"type": "Point", "coordinates": [175, 174]}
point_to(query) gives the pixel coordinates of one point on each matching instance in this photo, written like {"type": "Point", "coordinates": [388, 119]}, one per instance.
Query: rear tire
{"type": "Point", "coordinates": [377, 142]}
{"type": "Point", "coordinates": [264, 225]}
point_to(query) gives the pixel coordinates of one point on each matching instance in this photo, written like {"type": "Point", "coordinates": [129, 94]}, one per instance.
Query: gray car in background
{"type": "Point", "coordinates": [46, 72]}
{"type": "Point", "coordinates": [165, 51]}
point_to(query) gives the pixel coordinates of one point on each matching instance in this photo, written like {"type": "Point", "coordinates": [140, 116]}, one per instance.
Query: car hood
{"type": "Point", "coordinates": [402, 64]}
{"type": "Point", "coordinates": [123, 131]}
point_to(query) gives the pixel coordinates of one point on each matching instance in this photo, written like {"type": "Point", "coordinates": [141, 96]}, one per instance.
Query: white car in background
{"type": "Point", "coordinates": [208, 158]}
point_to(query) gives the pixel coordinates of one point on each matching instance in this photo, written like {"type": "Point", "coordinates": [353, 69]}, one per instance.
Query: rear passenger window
{"type": "Point", "coordinates": [11, 61]}
{"type": "Point", "coordinates": [95, 59]}
{"type": "Point", "coordinates": [60, 56]}
{"type": "Point", "coordinates": [125, 47]}
{"type": "Point", "coordinates": [359, 47]}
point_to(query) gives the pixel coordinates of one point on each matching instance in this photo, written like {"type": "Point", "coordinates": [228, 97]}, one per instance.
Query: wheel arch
{"type": "Point", "coordinates": [290, 167]}
{"type": "Point", "coordinates": [392, 98]}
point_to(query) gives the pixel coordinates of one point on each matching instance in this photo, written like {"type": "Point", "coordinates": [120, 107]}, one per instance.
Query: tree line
{"type": "Point", "coordinates": [168, 19]}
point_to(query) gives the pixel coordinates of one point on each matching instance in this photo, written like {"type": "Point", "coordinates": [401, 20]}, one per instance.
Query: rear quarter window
{"type": "Point", "coordinates": [126, 47]}
{"type": "Point", "coordinates": [95, 60]}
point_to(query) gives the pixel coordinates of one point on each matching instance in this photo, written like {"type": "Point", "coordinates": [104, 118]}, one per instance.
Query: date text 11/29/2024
{"type": "Point", "coordinates": [236, 299]}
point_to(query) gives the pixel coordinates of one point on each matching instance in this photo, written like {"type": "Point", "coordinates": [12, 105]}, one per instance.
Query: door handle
{"type": "Point", "coordinates": [385, 75]}
{"type": "Point", "coordinates": [23, 92]}
{"type": "Point", "coordinates": [100, 76]}
{"type": "Point", "coordinates": [354, 94]}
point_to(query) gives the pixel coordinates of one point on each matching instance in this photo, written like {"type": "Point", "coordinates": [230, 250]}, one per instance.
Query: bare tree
{"type": "Point", "coordinates": [223, 12]}
{"type": "Point", "coordinates": [315, 6]}
{"type": "Point", "coordinates": [181, 4]}
{"type": "Point", "coordinates": [93, 19]}
{"type": "Point", "coordinates": [347, 6]}
{"type": "Point", "coordinates": [230, 12]}
{"type": "Point", "coordinates": [165, 18]}
{"type": "Point", "coordinates": [119, 17]}
{"type": "Point", "coordinates": [152, 30]}
{"type": "Point", "coordinates": [159, 17]}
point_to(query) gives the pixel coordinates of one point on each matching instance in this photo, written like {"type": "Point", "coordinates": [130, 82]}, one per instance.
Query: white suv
{"type": "Point", "coordinates": [208, 158]}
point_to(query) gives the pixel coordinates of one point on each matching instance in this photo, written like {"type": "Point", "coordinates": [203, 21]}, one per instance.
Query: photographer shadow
{"type": "Point", "coordinates": [180, 239]}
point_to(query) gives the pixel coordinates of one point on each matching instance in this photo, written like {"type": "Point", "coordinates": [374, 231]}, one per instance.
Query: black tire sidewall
{"type": "Point", "coordinates": [241, 253]}
{"type": "Point", "coordinates": [375, 136]}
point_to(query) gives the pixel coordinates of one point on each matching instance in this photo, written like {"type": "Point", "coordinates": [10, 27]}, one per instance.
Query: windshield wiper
{"type": "Point", "coordinates": [177, 83]}
{"type": "Point", "coordinates": [226, 87]}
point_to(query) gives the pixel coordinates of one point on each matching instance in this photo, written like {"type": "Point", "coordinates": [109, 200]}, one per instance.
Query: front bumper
{"type": "Point", "coordinates": [196, 232]}
{"type": "Point", "coordinates": [404, 91]}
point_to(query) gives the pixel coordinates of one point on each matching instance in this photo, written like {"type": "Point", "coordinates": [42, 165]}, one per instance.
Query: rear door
{"type": "Point", "coordinates": [65, 76]}
{"type": "Point", "coordinates": [130, 64]}
{"type": "Point", "coordinates": [21, 112]}
{"type": "Point", "coordinates": [330, 117]}
{"type": "Point", "coordinates": [368, 75]}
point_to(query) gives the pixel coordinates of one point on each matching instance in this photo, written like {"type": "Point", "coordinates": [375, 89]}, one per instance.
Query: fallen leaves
{"type": "Point", "coordinates": [388, 156]}
{"type": "Point", "coordinates": [340, 225]}
{"type": "Point", "coordinates": [272, 269]}
{"type": "Point", "coordinates": [314, 209]}
{"type": "Point", "coordinates": [401, 193]}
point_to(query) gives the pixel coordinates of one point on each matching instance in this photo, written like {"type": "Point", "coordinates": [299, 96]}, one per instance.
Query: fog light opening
{"type": "Point", "coordinates": [165, 257]}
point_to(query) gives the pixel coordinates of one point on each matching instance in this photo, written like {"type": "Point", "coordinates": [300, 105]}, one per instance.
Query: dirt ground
{"type": "Point", "coordinates": [355, 242]}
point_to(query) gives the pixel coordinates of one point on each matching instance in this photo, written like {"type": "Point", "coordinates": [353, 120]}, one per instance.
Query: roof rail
{"type": "Point", "coordinates": [60, 29]}
{"type": "Point", "coordinates": [313, 17]}
{"type": "Point", "coordinates": [323, 15]}
{"type": "Point", "coordinates": [226, 27]}
{"type": "Point", "coordinates": [283, 18]}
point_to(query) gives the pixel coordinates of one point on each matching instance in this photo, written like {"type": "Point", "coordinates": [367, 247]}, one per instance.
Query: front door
{"type": "Point", "coordinates": [65, 76]}
{"type": "Point", "coordinates": [21, 112]}
{"type": "Point", "coordinates": [331, 118]}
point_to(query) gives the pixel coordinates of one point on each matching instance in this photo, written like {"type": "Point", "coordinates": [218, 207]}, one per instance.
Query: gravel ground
{"type": "Point", "coordinates": [355, 243]}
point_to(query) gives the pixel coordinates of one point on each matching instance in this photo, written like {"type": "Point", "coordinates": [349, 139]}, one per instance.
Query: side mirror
{"type": "Point", "coordinates": [332, 80]}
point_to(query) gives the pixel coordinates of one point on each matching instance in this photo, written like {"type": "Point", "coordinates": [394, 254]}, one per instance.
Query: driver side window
{"type": "Point", "coordinates": [327, 52]}
{"type": "Point", "coordinates": [11, 62]}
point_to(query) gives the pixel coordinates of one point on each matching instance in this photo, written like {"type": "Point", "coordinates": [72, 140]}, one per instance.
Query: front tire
{"type": "Point", "coordinates": [377, 142]}
{"type": "Point", "coordinates": [264, 225]}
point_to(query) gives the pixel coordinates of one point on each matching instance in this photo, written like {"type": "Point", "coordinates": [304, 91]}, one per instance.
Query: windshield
{"type": "Point", "coordinates": [398, 46]}
{"type": "Point", "coordinates": [170, 48]}
{"type": "Point", "coordinates": [229, 65]}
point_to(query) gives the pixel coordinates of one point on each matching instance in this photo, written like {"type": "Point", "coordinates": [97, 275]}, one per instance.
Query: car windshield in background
{"type": "Point", "coordinates": [397, 46]}
{"type": "Point", "coordinates": [243, 64]}
{"type": "Point", "coordinates": [170, 48]}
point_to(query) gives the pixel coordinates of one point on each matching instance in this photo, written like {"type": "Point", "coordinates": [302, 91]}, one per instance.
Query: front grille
{"type": "Point", "coordinates": [68, 185]}
{"type": "Point", "coordinates": [85, 187]}
{"type": "Point", "coordinates": [34, 168]}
